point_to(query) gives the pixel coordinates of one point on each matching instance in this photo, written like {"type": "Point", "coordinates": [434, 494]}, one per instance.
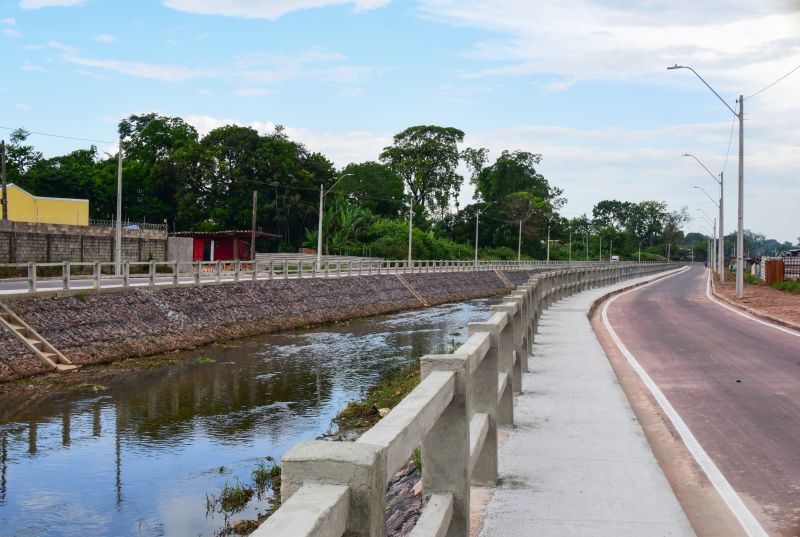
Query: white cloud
{"type": "Point", "coordinates": [606, 39]}
{"type": "Point", "coordinates": [37, 4]}
{"type": "Point", "coordinates": [351, 92]}
{"type": "Point", "coordinates": [250, 92]}
{"type": "Point", "coordinates": [22, 106]}
{"type": "Point", "coordinates": [163, 72]}
{"type": "Point", "coordinates": [264, 9]}
{"type": "Point", "coordinates": [12, 33]}
{"type": "Point", "coordinates": [104, 38]}
{"type": "Point", "coordinates": [10, 21]}
{"type": "Point", "coordinates": [32, 68]}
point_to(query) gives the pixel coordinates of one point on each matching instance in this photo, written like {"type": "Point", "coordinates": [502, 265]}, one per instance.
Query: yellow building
{"type": "Point", "coordinates": [25, 207]}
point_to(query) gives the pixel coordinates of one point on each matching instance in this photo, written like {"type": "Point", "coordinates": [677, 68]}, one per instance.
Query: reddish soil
{"type": "Point", "coordinates": [765, 301]}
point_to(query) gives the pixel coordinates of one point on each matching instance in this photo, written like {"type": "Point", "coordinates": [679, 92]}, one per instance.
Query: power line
{"type": "Point", "coordinates": [60, 136]}
{"type": "Point", "coordinates": [733, 121]}
{"type": "Point", "coordinates": [769, 86]}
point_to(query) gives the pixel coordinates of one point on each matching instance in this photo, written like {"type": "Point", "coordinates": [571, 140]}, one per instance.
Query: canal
{"type": "Point", "coordinates": [140, 456]}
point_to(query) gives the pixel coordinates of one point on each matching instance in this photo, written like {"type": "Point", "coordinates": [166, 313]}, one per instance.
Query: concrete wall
{"type": "Point", "coordinates": [180, 249]}
{"type": "Point", "coordinates": [107, 326]}
{"type": "Point", "coordinates": [22, 242]}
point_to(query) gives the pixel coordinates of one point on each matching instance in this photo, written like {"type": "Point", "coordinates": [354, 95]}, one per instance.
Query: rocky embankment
{"type": "Point", "coordinates": [107, 326]}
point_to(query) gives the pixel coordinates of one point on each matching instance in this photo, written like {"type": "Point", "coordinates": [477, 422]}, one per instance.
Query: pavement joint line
{"type": "Point", "coordinates": [744, 516]}
{"type": "Point", "coordinates": [745, 314]}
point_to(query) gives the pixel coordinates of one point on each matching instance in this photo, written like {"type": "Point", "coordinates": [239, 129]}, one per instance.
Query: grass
{"type": "Point", "coordinates": [387, 394]}
{"type": "Point", "coordinates": [206, 360]}
{"type": "Point", "coordinates": [233, 498]}
{"type": "Point", "coordinates": [146, 363]}
{"type": "Point", "coordinates": [417, 458]}
{"type": "Point", "coordinates": [788, 286]}
{"type": "Point", "coordinates": [267, 475]}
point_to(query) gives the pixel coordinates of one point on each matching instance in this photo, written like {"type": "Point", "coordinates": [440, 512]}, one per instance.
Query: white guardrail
{"type": "Point", "coordinates": [331, 489]}
{"type": "Point", "coordinates": [40, 277]}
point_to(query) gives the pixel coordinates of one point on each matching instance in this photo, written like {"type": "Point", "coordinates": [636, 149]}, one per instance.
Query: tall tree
{"type": "Point", "coordinates": [426, 157]}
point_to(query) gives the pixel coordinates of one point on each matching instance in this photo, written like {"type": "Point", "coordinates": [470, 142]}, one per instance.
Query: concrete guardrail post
{"type": "Point", "coordinates": [31, 277]}
{"type": "Point", "coordinates": [151, 273]}
{"type": "Point", "coordinates": [96, 272]}
{"type": "Point", "coordinates": [126, 273]}
{"type": "Point", "coordinates": [197, 268]}
{"type": "Point", "coordinates": [515, 323]}
{"type": "Point", "coordinates": [218, 271]}
{"type": "Point", "coordinates": [175, 273]}
{"type": "Point", "coordinates": [65, 274]}
{"type": "Point", "coordinates": [360, 467]}
{"type": "Point", "coordinates": [446, 447]}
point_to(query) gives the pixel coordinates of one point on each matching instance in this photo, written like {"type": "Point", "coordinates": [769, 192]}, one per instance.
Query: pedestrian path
{"type": "Point", "coordinates": [577, 463]}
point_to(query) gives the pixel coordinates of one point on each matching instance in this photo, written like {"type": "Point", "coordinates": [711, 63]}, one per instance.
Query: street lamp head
{"type": "Point", "coordinates": [676, 66]}
{"type": "Point", "coordinates": [687, 155]}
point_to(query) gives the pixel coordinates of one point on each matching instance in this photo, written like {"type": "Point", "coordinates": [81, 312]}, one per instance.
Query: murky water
{"type": "Point", "coordinates": [139, 458]}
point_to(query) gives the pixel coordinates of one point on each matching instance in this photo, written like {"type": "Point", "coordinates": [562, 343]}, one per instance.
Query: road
{"type": "Point", "coordinates": [734, 381]}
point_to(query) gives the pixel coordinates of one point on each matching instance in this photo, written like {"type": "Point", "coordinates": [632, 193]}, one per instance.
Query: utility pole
{"type": "Point", "coordinates": [477, 219]}
{"type": "Point", "coordinates": [610, 249]}
{"type": "Point", "coordinates": [600, 255]}
{"type": "Point", "coordinates": [253, 228]}
{"type": "Point", "coordinates": [721, 255]}
{"type": "Point", "coordinates": [740, 231]}
{"type": "Point", "coordinates": [319, 226]}
{"type": "Point", "coordinates": [519, 243]}
{"type": "Point", "coordinates": [587, 245]}
{"type": "Point", "coordinates": [118, 235]}
{"type": "Point", "coordinates": [570, 245]}
{"type": "Point", "coordinates": [4, 199]}
{"type": "Point", "coordinates": [548, 242]}
{"type": "Point", "coordinates": [410, 226]}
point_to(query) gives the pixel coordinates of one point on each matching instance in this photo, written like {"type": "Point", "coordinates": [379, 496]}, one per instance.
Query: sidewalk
{"type": "Point", "coordinates": [577, 462]}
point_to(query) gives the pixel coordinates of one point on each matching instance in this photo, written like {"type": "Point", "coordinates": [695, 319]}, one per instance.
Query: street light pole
{"type": "Point", "coordinates": [519, 243]}
{"type": "Point", "coordinates": [477, 221]}
{"type": "Point", "coordinates": [548, 241]}
{"type": "Point", "coordinates": [118, 234]}
{"type": "Point", "coordinates": [322, 195]}
{"type": "Point", "coordinates": [410, 226]}
{"type": "Point", "coordinates": [721, 205]}
{"type": "Point", "coordinates": [570, 245]}
{"type": "Point", "coordinates": [4, 199]}
{"type": "Point", "coordinates": [640, 250]}
{"type": "Point", "coordinates": [740, 227]}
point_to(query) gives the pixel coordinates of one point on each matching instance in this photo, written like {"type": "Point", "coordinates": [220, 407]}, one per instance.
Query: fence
{"type": "Point", "coordinates": [128, 225]}
{"type": "Point", "coordinates": [333, 489]}
{"type": "Point", "coordinates": [791, 269]}
{"type": "Point", "coordinates": [48, 277]}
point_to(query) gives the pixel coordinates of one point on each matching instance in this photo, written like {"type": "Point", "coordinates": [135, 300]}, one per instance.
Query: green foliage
{"type": "Point", "coordinates": [501, 253]}
{"type": "Point", "coordinates": [375, 187]}
{"type": "Point", "coordinates": [788, 286]}
{"type": "Point", "coordinates": [426, 157]}
{"type": "Point", "coordinates": [387, 394]}
{"type": "Point", "coordinates": [389, 239]}
{"type": "Point", "coordinates": [416, 457]}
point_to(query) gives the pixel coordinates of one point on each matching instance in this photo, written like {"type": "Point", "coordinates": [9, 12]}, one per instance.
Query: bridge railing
{"type": "Point", "coordinates": [333, 489]}
{"type": "Point", "coordinates": [96, 275]}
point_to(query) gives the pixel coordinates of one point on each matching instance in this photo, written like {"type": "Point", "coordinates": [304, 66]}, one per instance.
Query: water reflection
{"type": "Point", "coordinates": [138, 458]}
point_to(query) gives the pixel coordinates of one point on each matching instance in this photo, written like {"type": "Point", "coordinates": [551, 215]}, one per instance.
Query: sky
{"type": "Point", "coordinates": [583, 82]}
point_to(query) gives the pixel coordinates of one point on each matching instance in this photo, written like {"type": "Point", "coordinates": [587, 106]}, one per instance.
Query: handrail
{"type": "Point", "coordinates": [76, 277]}
{"type": "Point", "coordinates": [453, 415]}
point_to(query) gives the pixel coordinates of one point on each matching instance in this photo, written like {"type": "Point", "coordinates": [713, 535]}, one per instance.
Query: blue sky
{"type": "Point", "coordinates": [580, 81]}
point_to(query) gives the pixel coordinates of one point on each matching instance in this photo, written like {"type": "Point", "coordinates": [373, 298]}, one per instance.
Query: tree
{"type": "Point", "coordinates": [20, 158]}
{"type": "Point", "coordinates": [426, 157]}
{"type": "Point", "coordinates": [375, 187]}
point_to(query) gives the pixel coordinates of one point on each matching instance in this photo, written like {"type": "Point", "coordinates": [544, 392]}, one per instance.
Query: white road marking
{"type": "Point", "coordinates": [745, 314]}
{"type": "Point", "coordinates": [743, 515]}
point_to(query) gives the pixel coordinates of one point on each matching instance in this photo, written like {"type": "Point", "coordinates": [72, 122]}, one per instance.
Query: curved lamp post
{"type": "Point", "coordinates": [721, 205]}
{"type": "Point", "coordinates": [322, 194]}
{"type": "Point", "coordinates": [740, 228]}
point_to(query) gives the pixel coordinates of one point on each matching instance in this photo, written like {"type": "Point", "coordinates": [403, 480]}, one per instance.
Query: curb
{"type": "Point", "coordinates": [597, 303]}
{"type": "Point", "coordinates": [750, 311]}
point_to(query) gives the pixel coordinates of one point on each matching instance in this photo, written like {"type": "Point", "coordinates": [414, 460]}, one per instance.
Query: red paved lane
{"type": "Point", "coordinates": [735, 382]}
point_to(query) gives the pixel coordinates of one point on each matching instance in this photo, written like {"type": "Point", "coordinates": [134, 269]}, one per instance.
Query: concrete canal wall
{"type": "Point", "coordinates": [107, 326]}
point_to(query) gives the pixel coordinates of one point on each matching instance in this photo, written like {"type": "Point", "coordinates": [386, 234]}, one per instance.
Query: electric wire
{"type": "Point", "coordinates": [770, 85]}
{"type": "Point", "coordinates": [59, 136]}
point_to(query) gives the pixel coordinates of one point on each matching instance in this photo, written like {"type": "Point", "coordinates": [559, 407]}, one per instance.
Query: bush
{"type": "Point", "coordinates": [788, 286]}
{"type": "Point", "coordinates": [389, 239]}
{"type": "Point", "coordinates": [502, 253]}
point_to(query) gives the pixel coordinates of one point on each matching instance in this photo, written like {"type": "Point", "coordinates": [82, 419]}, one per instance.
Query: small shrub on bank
{"type": "Point", "coordinates": [788, 286]}
{"type": "Point", "coordinates": [387, 394]}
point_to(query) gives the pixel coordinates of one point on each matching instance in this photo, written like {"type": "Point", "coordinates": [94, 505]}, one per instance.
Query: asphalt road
{"type": "Point", "coordinates": [735, 382]}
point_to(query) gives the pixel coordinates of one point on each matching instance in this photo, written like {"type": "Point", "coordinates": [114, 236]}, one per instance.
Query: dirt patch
{"type": "Point", "coordinates": [778, 306]}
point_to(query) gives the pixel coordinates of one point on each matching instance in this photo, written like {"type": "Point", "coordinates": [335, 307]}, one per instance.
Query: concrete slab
{"type": "Point", "coordinates": [577, 462]}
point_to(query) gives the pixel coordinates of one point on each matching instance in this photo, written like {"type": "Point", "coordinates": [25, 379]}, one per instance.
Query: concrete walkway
{"type": "Point", "coordinates": [577, 462]}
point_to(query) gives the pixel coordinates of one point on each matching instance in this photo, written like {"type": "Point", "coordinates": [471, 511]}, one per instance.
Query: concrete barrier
{"type": "Point", "coordinates": [331, 489]}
